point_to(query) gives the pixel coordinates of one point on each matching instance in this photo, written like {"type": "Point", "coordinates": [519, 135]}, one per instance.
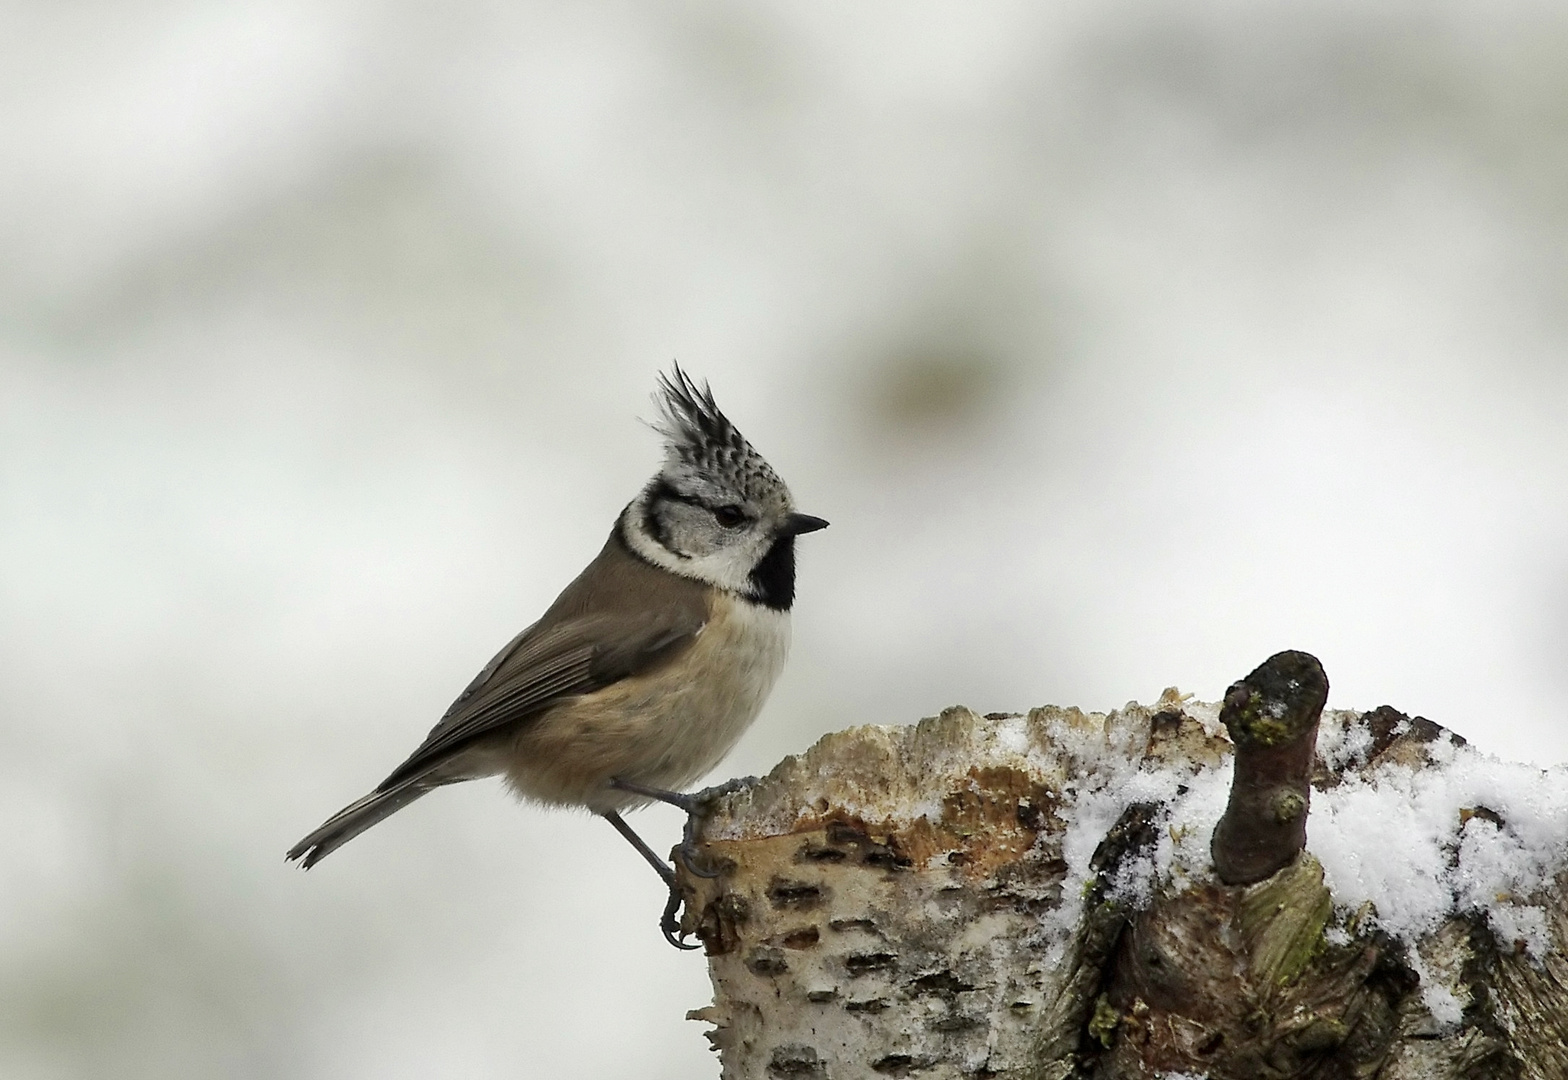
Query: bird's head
{"type": "Point", "coordinates": [716, 511]}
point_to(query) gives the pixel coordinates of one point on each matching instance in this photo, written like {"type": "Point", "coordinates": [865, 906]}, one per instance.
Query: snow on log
{"type": "Point", "coordinates": [1033, 896]}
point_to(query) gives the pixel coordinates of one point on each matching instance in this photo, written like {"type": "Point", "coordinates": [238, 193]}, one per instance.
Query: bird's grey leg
{"type": "Point", "coordinates": [660, 867]}
{"type": "Point", "coordinates": [667, 924]}
{"type": "Point", "coordinates": [697, 806]}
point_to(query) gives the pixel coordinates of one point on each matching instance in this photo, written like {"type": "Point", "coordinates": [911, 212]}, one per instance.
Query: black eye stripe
{"type": "Point", "coordinates": [655, 528]}
{"type": "Point", "coordinates": [666, 491]}
{"type": "Point", "coordinates": [729, 514]}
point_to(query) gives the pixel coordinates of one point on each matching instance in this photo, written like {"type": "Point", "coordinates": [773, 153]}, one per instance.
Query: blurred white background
{"type": "Point", "coordinates": [1124, 344]}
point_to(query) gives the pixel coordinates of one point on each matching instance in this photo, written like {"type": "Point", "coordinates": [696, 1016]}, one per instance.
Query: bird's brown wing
{"type": "Point", "coordinates": [544, 664]}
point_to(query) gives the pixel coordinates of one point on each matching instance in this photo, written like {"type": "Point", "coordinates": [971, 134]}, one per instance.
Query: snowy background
{"type": "Point", "coordinates": [1124, 344]}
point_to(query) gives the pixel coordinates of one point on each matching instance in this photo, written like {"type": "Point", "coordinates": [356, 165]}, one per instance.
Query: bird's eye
{"type": "Point", "coordinates": [729, 516]}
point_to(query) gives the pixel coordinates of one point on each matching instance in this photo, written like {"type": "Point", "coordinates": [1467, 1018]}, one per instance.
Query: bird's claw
{"type": "Point", "coordinates": [670, 926]}
{"type": "Point", "coordinates": [699, 804]}
{"type": "Point", "coordinates": [707, 796]}
{"type": "Point", "coordinates": [690, 856]}
{"type": "Point", "coordinates": [690, 853]}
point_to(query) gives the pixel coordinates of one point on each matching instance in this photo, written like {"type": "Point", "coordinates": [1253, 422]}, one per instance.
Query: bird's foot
{"type": "Point", "coordinates": [670, 924]}
{"type": "Point", "coordinates": [697, 805]}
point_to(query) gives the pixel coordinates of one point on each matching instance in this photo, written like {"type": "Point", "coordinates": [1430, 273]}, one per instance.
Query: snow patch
{"type": "Point", "coordinates": [1416, 846]}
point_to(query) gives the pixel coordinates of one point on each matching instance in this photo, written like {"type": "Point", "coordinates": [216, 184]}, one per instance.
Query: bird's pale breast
{"type": "Point", "coordinates": [664, 728]}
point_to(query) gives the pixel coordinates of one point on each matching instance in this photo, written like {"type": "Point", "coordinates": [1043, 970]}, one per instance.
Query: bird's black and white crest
{"type": "Point", "coordinates": [701, 444]}
{"type": "Point", "coordinates": [716, 511]}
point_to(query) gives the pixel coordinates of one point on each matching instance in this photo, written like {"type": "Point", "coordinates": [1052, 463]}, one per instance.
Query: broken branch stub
{"type": "Point", "coordinates": [1272, 716]}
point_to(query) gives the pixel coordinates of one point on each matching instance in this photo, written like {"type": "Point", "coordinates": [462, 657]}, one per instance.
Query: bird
{"type": "Point", "coordinates": [647, 668]}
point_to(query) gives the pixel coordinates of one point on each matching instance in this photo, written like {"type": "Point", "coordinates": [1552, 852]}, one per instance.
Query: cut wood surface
{"type": "Point", "coordinates": [1034, 896]}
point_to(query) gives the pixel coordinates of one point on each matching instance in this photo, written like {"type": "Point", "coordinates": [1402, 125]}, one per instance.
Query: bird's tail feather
{"type": "Point", "coordinates": [355, 818]}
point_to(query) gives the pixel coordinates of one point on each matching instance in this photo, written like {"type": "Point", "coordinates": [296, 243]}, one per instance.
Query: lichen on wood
{"type": "Point", "coordinates": [1031, 896]}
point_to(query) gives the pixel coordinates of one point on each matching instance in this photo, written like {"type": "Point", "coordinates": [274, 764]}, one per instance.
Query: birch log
{"type": "Point", "coordinates": [1033, 896]}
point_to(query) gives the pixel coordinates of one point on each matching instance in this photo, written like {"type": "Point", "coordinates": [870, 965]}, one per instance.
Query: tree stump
{"type": "Point", "coordinates": [1034, 896]}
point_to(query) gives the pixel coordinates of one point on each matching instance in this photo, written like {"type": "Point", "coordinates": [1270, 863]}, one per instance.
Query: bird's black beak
{"type": "Point", "coordinates": [796, 524]}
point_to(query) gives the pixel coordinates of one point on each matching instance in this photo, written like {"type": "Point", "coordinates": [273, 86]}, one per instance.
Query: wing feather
{"type": "Point", "coordinates": [539, 668]}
